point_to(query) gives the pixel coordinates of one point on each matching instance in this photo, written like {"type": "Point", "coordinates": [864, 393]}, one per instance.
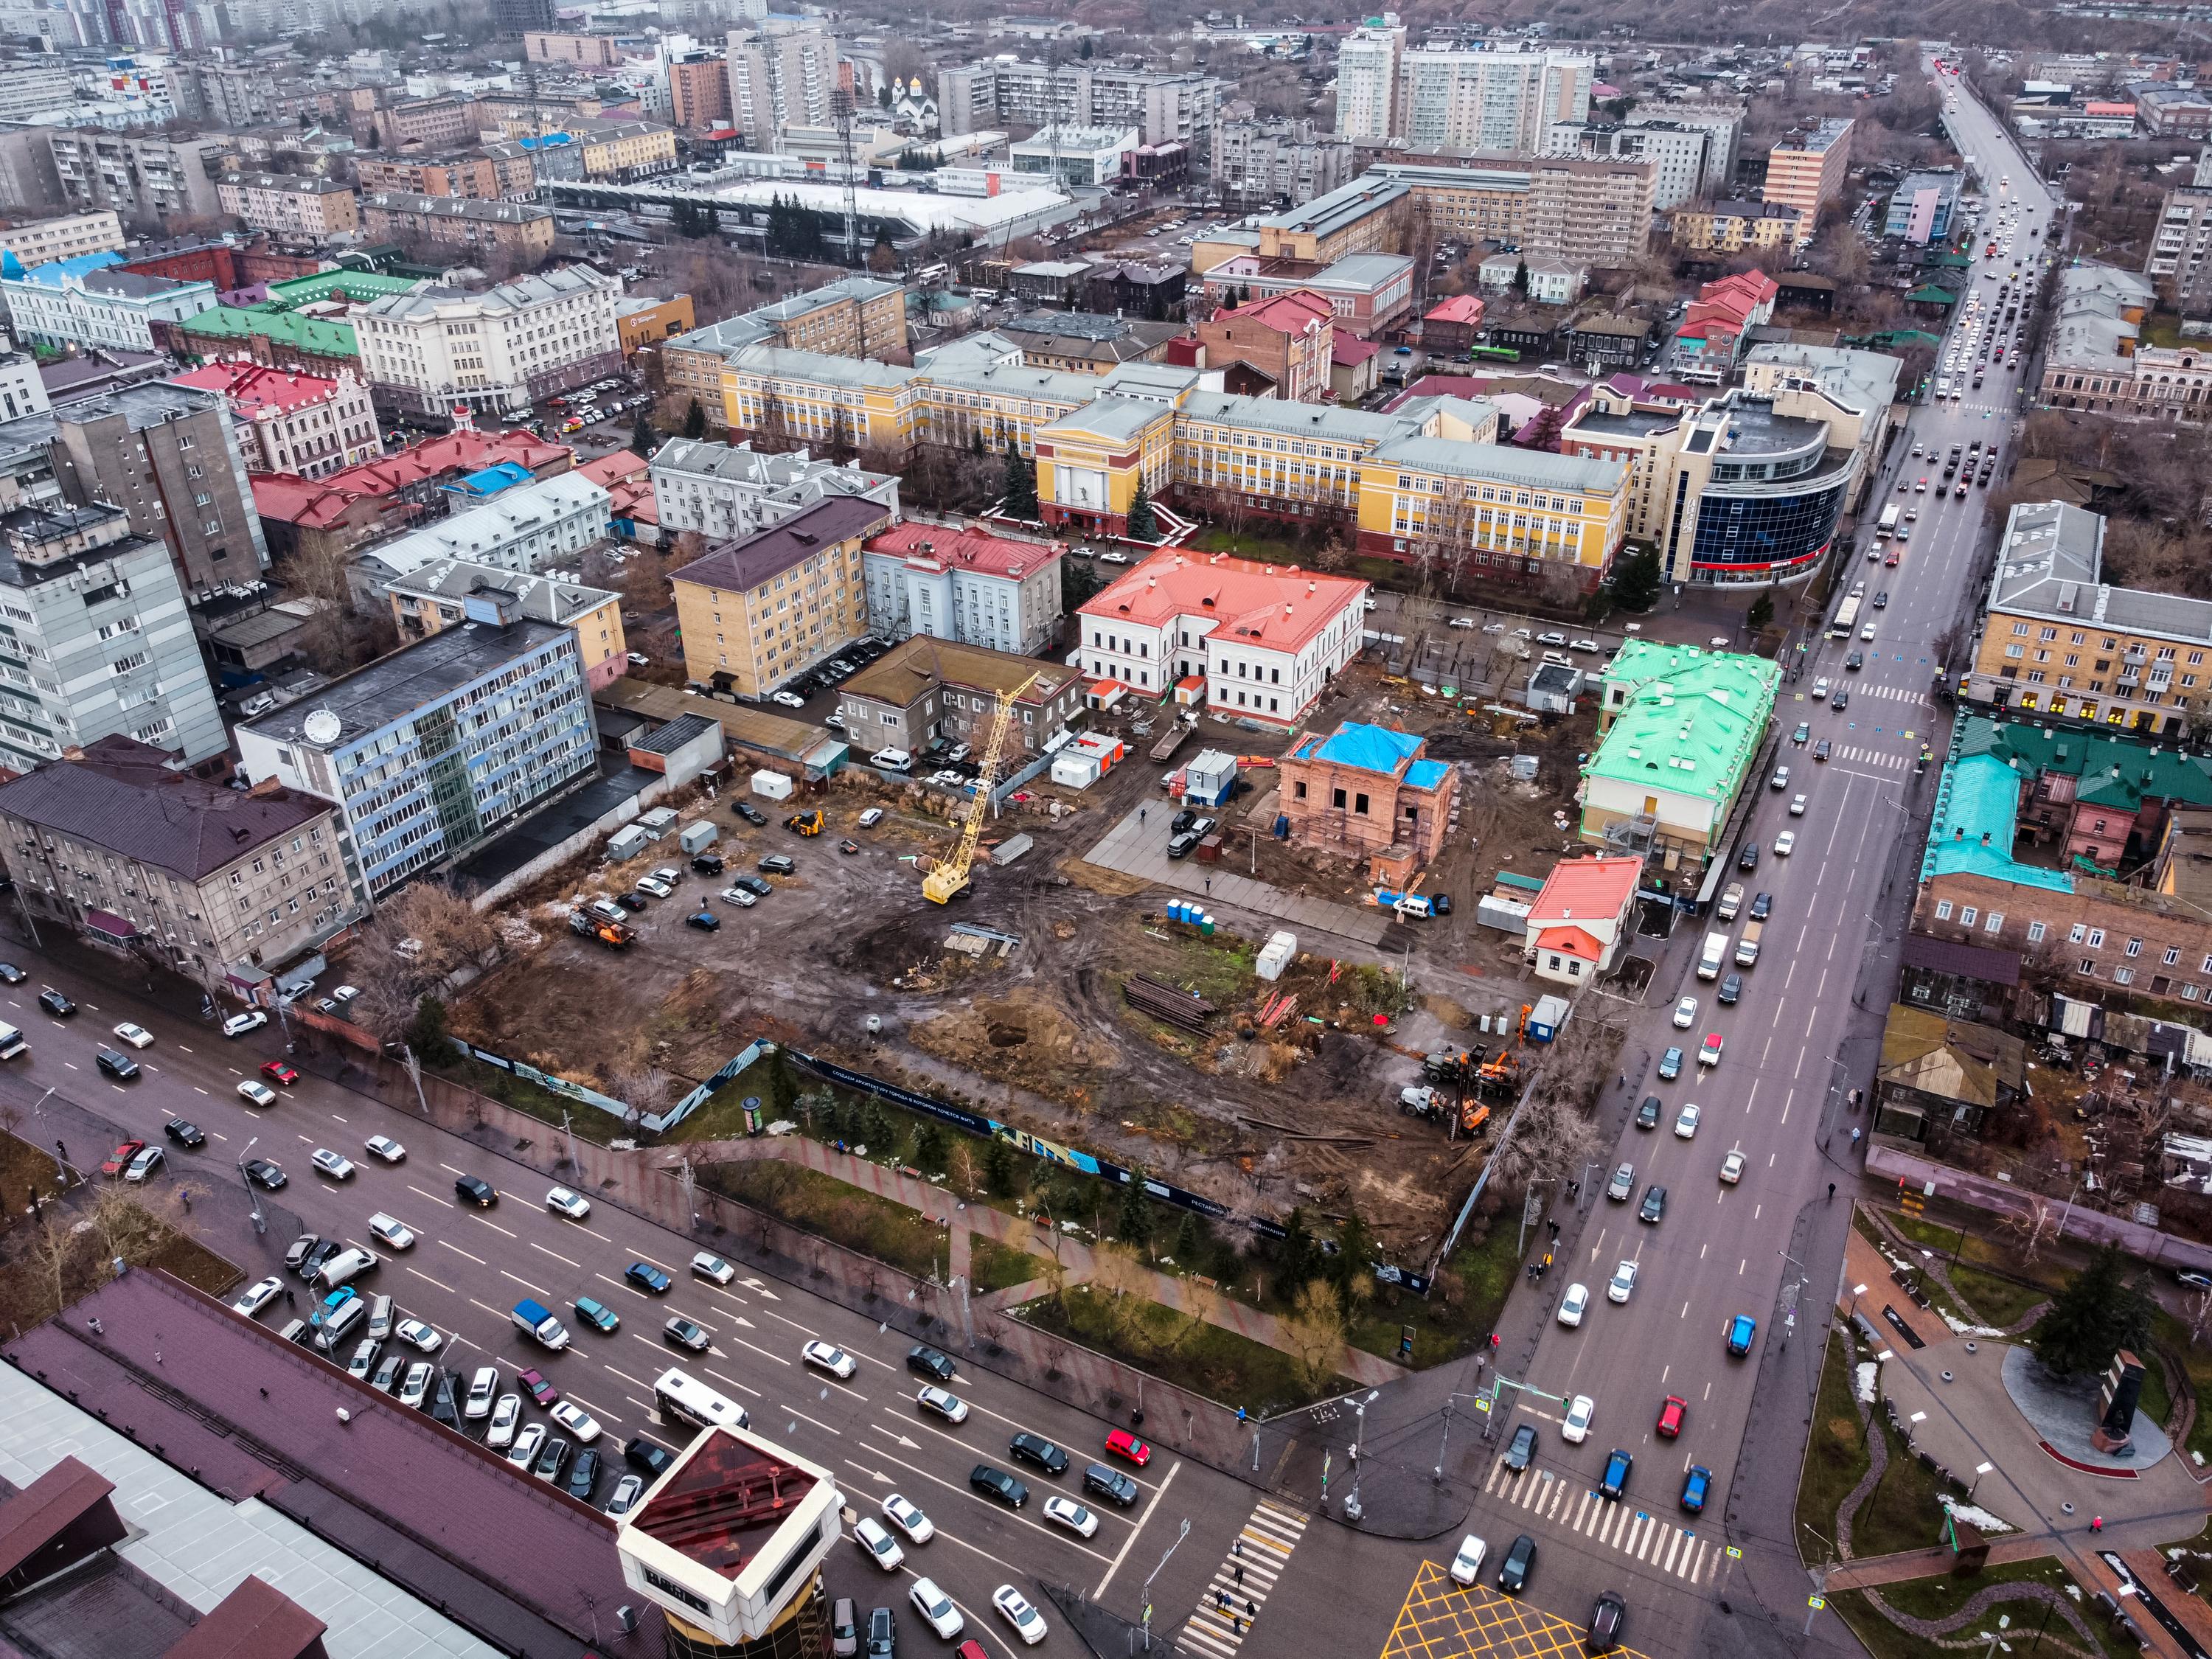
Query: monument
{"type": "Point", "coordinates": [2116, 1406]}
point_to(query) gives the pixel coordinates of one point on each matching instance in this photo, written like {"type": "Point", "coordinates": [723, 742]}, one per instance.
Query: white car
{"type": "Point", "coordinates": [1576, 1428]}
{"type": "Point", "coordinates": [578, 1421]}
{"type": "Point", "coordinates": [259, 1295]}
{"type": "Point", "coordinates": [1732, 1168]}
{"type": "Point", "coordinates": [936, 1609]}
{"type": "Point", "coordinates": [909, 1519]}
{"type": "Point", "coordinates": [713, 1267]}
{"type": "Point", "coordinates": [1797, 806]}
{"type": "Point", "coordinates": [335, 1165]}
{"type": "Point", "coordinates": [1685, 1120]}
{"type": "Point", "coordinates": [1780, 781]}
{"type": "Point", "coordinates": [1028, 1622]}
{"type": "Point", "coordinates": [482, 1388]}
{"type": "Point", "coordinates": [949, 1406]}
{"type": "Point", "coordinates": [1467, 1565]}
{"type": "Point", "coordinates": [738, 897]}
{"type": "Point", "coordinates": [1462, 622]}
{"type": "Point", "coordinates": [655, 886]}
{"type": "Point", "coordinates": [1573, 1304]}
{"type": "Point", "coordinates": [789, 700]}
{"type": "Point", "coordinates": [1066, 1512]}
{"type": "Point", "coordinates": [1686, 1013]}
{"type": "Point", "coordinates": [416, 1387]}
{"type": "Point", "coordinates": [504, 1416]}
{"type": "Point", "coordinates": [561, 1201]}
{"type": "Point", "coordinates": [528, 1444]}
{"type": "Point", "coordinates": [1622, 1282]}
{"type": "Point", "coordinates": [137, 1035]}
{"type": "Point", "coordinates": [1785, 843]}
{"type": "Point", "coordinates": [628, 1491]}
{"type": "Point", "coordinates": [875, 1541]}
{"type": "Point", "coordinates": [391, 1229]}
{"type": "Point", "coordinates": [835, 1360]}
{"type": "Point", "coordinates": [257, 1094]}
{"type": "Point", "coordinates": [416, 1333]}
{"type": "Point", "coordinates": [239, 1024]}
{"type": "Point", "coordinates": [1819, 690]}
{"type": "Point", "coordinates": [387, 1149]}
{"type": "Point", "coordinates": [872, 818]}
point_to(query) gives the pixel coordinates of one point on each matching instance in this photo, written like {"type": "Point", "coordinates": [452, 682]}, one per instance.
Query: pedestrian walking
{"type": "Point", "coordinates": [288, 1302]}
{"type": "Point", "coordinates": [1832, 1192]}
{"type": "Point", "coordinates": [2097, 1523]}
{"type": "Point", "coordinates": [186, 1194]}
{"type": "Point", "coordinates": [1855, 1135]}
{"type": "Point", "coordinates": [1240, 1578]}
{"type": "Point", "coordinates": [1209, 883]}
{"type": "Point", "coordinates": [1141, 811]}
{"type": "Point", "coordinates": [1237, 1547]}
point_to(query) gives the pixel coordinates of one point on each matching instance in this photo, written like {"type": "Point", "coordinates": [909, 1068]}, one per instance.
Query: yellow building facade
{"type": "Point", "coordinates": [1512, 512]}
{"type": "Point", "coordinates": [755, 611]}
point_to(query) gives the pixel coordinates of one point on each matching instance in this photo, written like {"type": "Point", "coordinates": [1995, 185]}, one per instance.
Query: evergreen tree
{"type": "Point", "coordinates": [929, 1148]}
{"type": "Point", "coordinates": [1187, 1241]}
{"type": "Point", "coordinates": [1021, 496]}
{"type": "Point", "coordinates": [695, 421]}
{"type": "Point", "coordinates": [1636, 579]}
{"type": "Point", "coordinates": [998, 1167]}
{"type": "Point", "coordinates": [642, 440]}
{"type": "Point", "coordinates": [1295, 1254]}
{"type": "Point", "coordinates": [1084, 48]}
{"type": "Point", "coordinates": [1142, 526]}
{"type": "Point", "coordinates": [1760, 614]}
{"type": "Point", "coordinates": [426, 1033]}
{"type": "Point", "coordinates": [1521, 279]}
{"type": "Point", "coordinates": [1355, 1256]}
{"type": "Point", "coordinates": [1134, 1223]}
{"type": "Point", "coordinates": [884, 95]}
{"type": "Point", "coordinates": [1229, 301]}
{"type": "Point", "coordinates": [975, 441]}
{"type": "Point", "coordinates": [881, 1134]}
{"type": "Point", "coordinates": [2103, 1309]}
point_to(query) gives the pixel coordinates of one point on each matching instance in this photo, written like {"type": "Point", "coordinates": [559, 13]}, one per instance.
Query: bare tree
{"type": "Point", "coordinates": [1315, 1332]}
{"type": "Point", "coordinates": [1118, 1275]}
{"type": "Point", "coordinates": [2033, 1225]}
{"type": "Point", "coordinates": [413, 945]}
{"type": "Point", "coordinates": [645, 1088]}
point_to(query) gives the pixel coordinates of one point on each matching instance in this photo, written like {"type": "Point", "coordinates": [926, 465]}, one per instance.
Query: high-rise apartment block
{"type": "Point", "coordinates": [1455, 98]}
{"type": "Point", "coordinates": [1805, 171]}
{"type": "Point", "coordinates": [1279, 160]}
{"type": "Point", "coordinates": [1677, 153]}
{"type": "Point", "coordinates": [1165, 107]}
{"type": "Point", "coordinates": [2181, 250]}
{"type": "Point", "coordinates": [780, 78]}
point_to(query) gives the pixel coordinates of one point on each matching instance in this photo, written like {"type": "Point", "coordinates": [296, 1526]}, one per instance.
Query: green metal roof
{"type": "Point", "coordinates": [358, 286]}
{"type": "Point", "coordinates": [2115, 772]}
{"type": "Point", "coordinates": [312, 335]}
{"type": "Point", "coordinates": [1693, 719]}
{"type": "Point", "coordinates": [1977, 815]}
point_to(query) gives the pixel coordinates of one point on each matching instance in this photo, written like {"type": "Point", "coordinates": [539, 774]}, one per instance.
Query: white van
{"type": "Point", "coordinates": [892, 760]}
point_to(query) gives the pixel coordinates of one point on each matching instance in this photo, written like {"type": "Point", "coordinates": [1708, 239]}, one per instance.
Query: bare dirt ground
{"type": "Point", "coordinates": [1303, 1113]}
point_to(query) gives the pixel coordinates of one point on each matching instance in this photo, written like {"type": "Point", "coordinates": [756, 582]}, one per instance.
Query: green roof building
{"type": "Point", "coordinates": [1682, 729]}
{"type": "Point", "coordinates": [278, 339]}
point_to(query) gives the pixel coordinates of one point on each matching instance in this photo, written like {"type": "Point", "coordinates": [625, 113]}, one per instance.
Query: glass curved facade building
{"type": "Point", "coordinates": [1772, 497]}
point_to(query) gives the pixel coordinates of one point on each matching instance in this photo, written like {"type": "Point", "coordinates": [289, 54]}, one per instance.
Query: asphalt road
{"type": "Point", "coordinates": [469, 1267]}
{"type": "Point", "coordinates": [1793, 1046]}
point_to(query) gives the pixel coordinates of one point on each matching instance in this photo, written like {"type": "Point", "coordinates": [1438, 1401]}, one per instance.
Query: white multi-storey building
{"type": "Point", "coordinates": [69, 236]}
{"type": "Point", "coordinates": [1367, 82]}
{"type": "Point", "coordinates": [1492, 103]}
{"type": "Point", "coordinates": [500, 350]}
{"type": "Point", "coordinates": [963, 585]}
{"type": "Point", "coordinates": [532, 527]}
{"type": "Point", "coordinates": [1677, 153]}
{"type": "Point", "coordinates": [780, 78]}
{"type": "Point", "coordinates": [83, 302]}
{"type": "Point", "coordinates": [725, 492]}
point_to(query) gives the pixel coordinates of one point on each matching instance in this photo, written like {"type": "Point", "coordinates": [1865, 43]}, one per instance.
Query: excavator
{"type": "Point", "coordinates": [948, 877]}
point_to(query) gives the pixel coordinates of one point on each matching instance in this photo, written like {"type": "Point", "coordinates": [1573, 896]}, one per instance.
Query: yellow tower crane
{"type": "Point", "coordinates": [949, 875]}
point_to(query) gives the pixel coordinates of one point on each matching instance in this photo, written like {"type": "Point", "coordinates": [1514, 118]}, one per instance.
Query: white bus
{"type": "Point", "coordinates": [685, 1399]}
{"type": "Point", "coordinates": [1889, 524]}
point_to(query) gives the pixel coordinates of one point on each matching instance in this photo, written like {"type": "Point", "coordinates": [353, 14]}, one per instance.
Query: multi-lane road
{"type": "Point", "coordinates": [468, 1266]}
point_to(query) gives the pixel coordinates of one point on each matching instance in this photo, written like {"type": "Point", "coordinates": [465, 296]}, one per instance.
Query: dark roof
{"type": "Point", "coordinates": [519, 1565]}
{"type": "Point", "coordinates": [674, 735]}
{"type": "Point", "coordinates": [254, 1622]}
{"type": "Point", "coordinates": [1944, 955]}
{"type": "Point", "coordinates": [751, 560]}
{"type": "Point", "coordinates": [41, 1517]}
{"type": "Point", "coordinates": [413, 677]}
{"type": "Point", "coordinates": [122, 795]}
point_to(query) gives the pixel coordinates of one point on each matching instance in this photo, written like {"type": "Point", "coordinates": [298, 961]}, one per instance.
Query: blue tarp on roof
{"type": "Point", "coordinates": [1425, 773]}
{"type": "Point", "coordinates": [52, 273]}
{"type": "Point", "coordinates": [1369, 748]}
{"type": "Point", "coordinates": [1977, 815]}
{"type": "Point", "coordinates": [505, 475]}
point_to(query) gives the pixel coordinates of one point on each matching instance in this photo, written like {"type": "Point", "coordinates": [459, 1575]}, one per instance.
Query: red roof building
{"type": "Point", "coordinates": [1579, 921]}
{"type": "Point", "coordinates": [1287, 339]}
{"type": "Point", "coordinates": [309, 424]}
{"type": "Point", "coordinates": [631, 504]}
{"type": "Point", "coordinates": [1453, 324]}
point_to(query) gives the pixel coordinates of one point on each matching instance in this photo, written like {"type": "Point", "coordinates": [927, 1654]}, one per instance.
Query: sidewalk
{"type": "Point", "coordinates": [961, 1219]}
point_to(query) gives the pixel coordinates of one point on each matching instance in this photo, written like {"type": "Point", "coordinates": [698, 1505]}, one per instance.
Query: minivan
{"type": "Point", "coordinates": [341, 1325]}
{"type": "Point", "coordinates": [892, 760]}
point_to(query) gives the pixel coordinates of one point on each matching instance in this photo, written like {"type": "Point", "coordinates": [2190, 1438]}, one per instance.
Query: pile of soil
{"type": "Point", "coordinates": [1019, 1038]}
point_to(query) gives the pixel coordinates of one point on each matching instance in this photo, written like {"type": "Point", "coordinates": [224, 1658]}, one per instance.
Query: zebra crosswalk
{"type": "Point", "coordinates": [1881, 757]}
{"type": "Point", "coordinates": [1659, 1544]}
{"type": "Point", "coordinates": [1241, 1584]}
{"type": "Point", "coordinates": [1891, 693]}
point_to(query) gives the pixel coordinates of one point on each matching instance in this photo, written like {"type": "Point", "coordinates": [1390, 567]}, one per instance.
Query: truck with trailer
{"type": "Point", "coordinates": [615, 935]}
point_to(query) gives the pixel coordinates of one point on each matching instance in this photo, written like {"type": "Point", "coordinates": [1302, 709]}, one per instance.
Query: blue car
{"type": "Point", "coordinates": [596, 1315]}
{"type": "Point", "coordinates": [648, 1278]}
{"type": "Point", "coordinates": [1694, 1484]}
{"type": "Point", "coordinates": [332, 1303]}
{"type": "Point", "coordinates": [1670, 1064]}
{"type": "Point", "coordinates": [1740, 1330]}
{"type": "Point", "coordinates": [1618, 1463]}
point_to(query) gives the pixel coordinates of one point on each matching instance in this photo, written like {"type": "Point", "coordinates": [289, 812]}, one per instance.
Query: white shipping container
{"type": "Point", "coordinates": [1074, 769]}
{"type": "Point", "coordinates": [774, 785]}
{"type": "Point", "coordinates": [657, 823]}
{"type": "Point", "coordinates": [626, 843]}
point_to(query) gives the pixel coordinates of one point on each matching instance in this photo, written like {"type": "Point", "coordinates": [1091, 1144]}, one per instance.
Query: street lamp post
{"type": "Point", "coordinates": [1351, 1511]}
{"type": "Point", "coordinates": [1980, 1469]}
{"type": "Point", "coordinates": [1183, 1533]}
{"type": "Point", "coordinates": [260, 1221]}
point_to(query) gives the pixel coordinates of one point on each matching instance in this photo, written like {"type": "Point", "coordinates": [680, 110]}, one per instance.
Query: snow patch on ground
{"type": "Point", "coordinates": [1974, 1516]}
{"type": "Point", "coordinates": [1867, 1369]}
{"type": "Point", "coordinates": [1964, 1330]}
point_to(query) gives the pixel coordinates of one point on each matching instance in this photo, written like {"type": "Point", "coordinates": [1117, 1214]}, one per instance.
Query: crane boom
{"type": "Point", "coordinates": [950, 874]}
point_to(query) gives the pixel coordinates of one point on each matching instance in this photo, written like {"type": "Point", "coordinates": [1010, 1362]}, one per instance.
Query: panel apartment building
{"type": "Point", "coordinates": [1165, 107]}
{"type": "Point", "coordinates": [1497, 103]}
{"type": "Point", "coordinates": [780, 78]}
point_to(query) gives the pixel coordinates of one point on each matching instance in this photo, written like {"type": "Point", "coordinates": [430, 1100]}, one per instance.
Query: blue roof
{"type": "Point", "coordinates": [1425, 773]}
{"type": "Point", "coordinates": [1977, 814]}
{"type": "Point", "coordinates": [504, 475]}
{"type": "Point", "coordinates": [50, 275]}
{"type": "Point", "coordinates": [1369, 748]}
{"type": "Point", "coordinates": [548, 139]}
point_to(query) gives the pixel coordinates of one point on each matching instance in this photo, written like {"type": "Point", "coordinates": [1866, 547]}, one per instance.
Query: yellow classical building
{"type": "Point", "coordinates": [1518, 512]}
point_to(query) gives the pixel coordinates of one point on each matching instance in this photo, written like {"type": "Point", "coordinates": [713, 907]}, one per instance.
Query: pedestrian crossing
{"type": "Point", "coordinates": [1241, 1584]}
{"type": "Point", "coordinates": [1859, 689]}
{"type": "Point", "coordinates": [1552, 1495]}
{"type": "Point", "coordinates": [1880, 758]}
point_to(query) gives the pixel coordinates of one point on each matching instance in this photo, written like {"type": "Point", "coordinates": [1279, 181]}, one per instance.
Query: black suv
{"type": "Point", "coordinates": [1036, 1449]}
{"type": "Point", "coordinates": [116, 1064]}
{"type": "Point", "coordinates": [1647, 1115]}
{"type": "Point", "coordinates": [1513, 1571]}
{"type": "Point", "coordinates": [1111, 1485]}
{"type": "Point", "coordinates": [184, 1134]}
{"type": "Point", "coordinates": [1523, 1448]}
{"type": "Point", "coordinates": [56, 1004]}
{"type": "Point", "coordinates": [1653, 1205]}
{"type": "Point", "coordinates": [997, 1483]}
{"type": "Point", "coordinates": [707, 864]}
{"type": "Point", "coordinates": [1748, 859]}
{"type": "Point", "coordinates": [476, 1190]}
{"type": "Point", "coordinates": [1608, 1619]}
{"type": "Point", "coordinates": [750, 814]}
{"type": "Point", "coordinates": [925, 1361]}
{"type": "Point", "coordinates": [882, 1633]}
{"type": "Point", "coordinates": [1762, 906]}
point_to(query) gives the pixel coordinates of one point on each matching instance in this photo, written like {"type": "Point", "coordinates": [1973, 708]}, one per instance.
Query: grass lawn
{"type": "Point", "coordinates": [589, 1122]}
{"type": "Point", "coordinates": [1901, 1512]}
{"type": "Point", "coordinates": [723, 1117]}
{"type": "Point", "coordinates": [1459, 1313]}
{"type": "Point", "coordinates": [1998, 1254]}
{"type": "Point", "coordinates": [1835, 1456]}
{"type": "Point", "coordinates": [1997, 1302]}
{"type": "Point", "coordinates": [862, 1221]}
{"type": "Point", "coordinates": [196, 1265]}
{"type": "Point", "coordinates": [995, 1266]}
{"type": "Point", "coordinates": [1206, 1359]}
{"type": "Point", "coordinates": [1940, 1596]}
{"type": "Point", "coordinates": [1247, 545]}
{"type": "Point", "coordinates": [2172, 1335]}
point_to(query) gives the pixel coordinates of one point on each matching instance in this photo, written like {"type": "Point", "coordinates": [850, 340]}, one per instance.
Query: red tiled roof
{"type": "Point", "coordinates": [252, 387]}
{"type": "Point", "coordinates": [1460, 308]}
{"type": "Point", "coordinates": [465, 451]}
{"type": "Point", "coordinates": [1349, 350]}
{"type": "Point", "coordinates": [1249, 602]}
{"type": "Point", "coordinates": [971, 550]}
{"type": "Point", "coordinates": [1595, 889]}
{"type": "Point", "coordinates": [1293, 312]}
{"type": "Point", "coordinates": [313, 503]}
{"type": "Point", "coordinates": [609, 470]}
{"type": "Point", "coordinates": [1570, 941]}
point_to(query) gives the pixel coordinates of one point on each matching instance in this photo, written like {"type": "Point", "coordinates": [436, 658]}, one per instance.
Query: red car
{"type": "Point", "coordinates": [537, 1388]}
{"type": "Point", "coordinates": [1122, 1443]}
{"type": "Point", "coordinates": [277, 1072]}
{"type": "Point", "coordinates": [1672, 1410]}
{"type": "Point", "coordinates": [120, 1159]}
